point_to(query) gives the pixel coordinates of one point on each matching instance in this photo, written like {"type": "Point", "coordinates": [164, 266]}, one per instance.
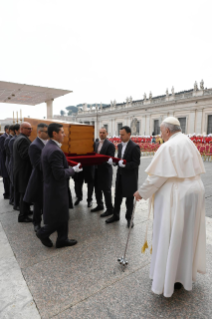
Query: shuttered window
{"type": "Point", "coordinates": [182, 121]}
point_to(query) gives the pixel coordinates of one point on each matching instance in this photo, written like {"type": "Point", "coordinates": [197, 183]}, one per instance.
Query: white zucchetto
{"type": "Point", "coordinates": [172, 120]}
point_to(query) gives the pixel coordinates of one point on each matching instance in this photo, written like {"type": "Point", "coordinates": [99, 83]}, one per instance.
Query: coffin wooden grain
{"type": "Point", "coordinates": [79, 138]}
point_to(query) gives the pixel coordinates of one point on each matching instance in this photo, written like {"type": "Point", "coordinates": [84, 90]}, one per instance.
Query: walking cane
{"type": "Point", "coordinates": [123, 260]}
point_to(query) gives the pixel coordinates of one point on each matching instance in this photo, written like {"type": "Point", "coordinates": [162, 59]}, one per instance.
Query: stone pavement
{"type": "Point", "coordinates": [86, 281]}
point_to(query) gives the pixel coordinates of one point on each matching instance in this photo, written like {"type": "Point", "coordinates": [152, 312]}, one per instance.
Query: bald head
{"type": "Point", "coordinates": [26, 128]}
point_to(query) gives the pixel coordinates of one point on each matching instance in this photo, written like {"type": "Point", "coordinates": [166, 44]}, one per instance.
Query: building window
{"type": "Point", "coordinates": [138, 128]}
{"type": "Point", "coordinates": [106, 127]}
{"type": "Point", "coordinates": [119, 127]}
{"type": "Point", "coordinates": [209, 131]}
{"type": "Point", "coordinates": [156, 127]}
{"type": "Point", "coordinates": [182, 121]}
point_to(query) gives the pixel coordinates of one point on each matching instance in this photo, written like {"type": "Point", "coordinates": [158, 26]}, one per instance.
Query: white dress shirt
{"type": "Point", "coordinates": [101, 142]}
{"type": "Point", "coordinates": [44, 141]}
{"type": "Point", "coordinates": [124, 145]}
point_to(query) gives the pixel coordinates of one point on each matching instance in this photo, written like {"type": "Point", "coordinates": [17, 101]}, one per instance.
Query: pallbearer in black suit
{"type": "Point", "coordinates": [4, 173]}
{"type": "Point", "coordinates": [10, 145]}
{"type": "Point", "coordinates": [34, 191]}
{"type": "Point", "coordinates": [103, 174]}
{"type": "Point", "coordinates": [7, 163]}
{"type": "Point", "coordinates": [22, 169]}
{"type": "Point", "coordinates": [127, 175]}
{"type": "Point", "coordinates": [57, 195]}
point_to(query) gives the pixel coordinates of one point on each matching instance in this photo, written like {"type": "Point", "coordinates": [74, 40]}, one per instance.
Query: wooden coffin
{"type": "Point", "coordinates": [79, 138]}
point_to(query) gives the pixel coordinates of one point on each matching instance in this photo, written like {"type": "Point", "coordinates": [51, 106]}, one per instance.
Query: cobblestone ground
{"type": "Point", "coordinates": [86, 281]}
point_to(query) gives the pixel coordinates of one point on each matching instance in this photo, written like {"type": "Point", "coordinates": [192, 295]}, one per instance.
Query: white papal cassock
{"type": "Point", "coordinates": [179, 234]}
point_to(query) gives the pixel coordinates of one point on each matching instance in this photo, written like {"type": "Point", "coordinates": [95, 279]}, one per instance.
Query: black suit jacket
{"type": "Point", "coordinates": [4, 172]}
{"type": "Point", "coordinates": [56, 192]}
{"type": "Point", "coordinates": [10, 145]}
{"type": "Point", "coordinates": [34, 191]}
{"type": "Point", "coordinates": [105, 171]}
{"type": "Point", "coordinates": [7, 150]}
{"type": "Point", "coordinates": [22, 167]}
{"type": "Point", "coordinates": [129, 174]}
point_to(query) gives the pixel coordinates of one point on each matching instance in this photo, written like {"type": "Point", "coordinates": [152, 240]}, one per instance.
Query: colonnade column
{"type": "Point", "coordinates": [49, 109]}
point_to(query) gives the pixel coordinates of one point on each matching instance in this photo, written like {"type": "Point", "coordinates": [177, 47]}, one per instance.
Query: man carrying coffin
{"type": "Point", "coordinates": [22, 169]}
{"type": "Point", "coordinates": [104, 174]}
{"type": "Point", "coordinates": [178, 199]}
{"type": "Point", "coordinates": [34, 191]}
{"type": "Point", "coordinates": [56, 192]}
{"type": "Point", "coordinates": [7, 163]}
{"type": "Point", "coordinates": [127, 175]}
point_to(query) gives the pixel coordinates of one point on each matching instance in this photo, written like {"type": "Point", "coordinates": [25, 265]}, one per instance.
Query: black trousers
{"type": "Point", "coordinates": [11, 193]}
{"type": "Point", "coordinates": [118, 200]}
{"type": "Point", "coordinates": [78, 187]}
{"type": "Point", "coordinates": [37, 213]}
{"type": "Point", "coordinates": [16, 198]}
{"type": "Point", "coordinates": [102, 190]}
{"type": "Point", "coordinates": [24, 207]}
{"type": "Point", "coordinates": [60, 227]}
{"type": "Point", "coordinates": [6, 182]}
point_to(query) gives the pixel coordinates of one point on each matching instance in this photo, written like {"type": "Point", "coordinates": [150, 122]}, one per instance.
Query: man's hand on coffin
{"type": "Point", "coordinates": [137, 196]}
{"type": "Point", "coordinates": [110, 161]}
{"type": "Point", "coordinates": [77, 168]}
{"type": "Point", "coordinates": [121, 164]}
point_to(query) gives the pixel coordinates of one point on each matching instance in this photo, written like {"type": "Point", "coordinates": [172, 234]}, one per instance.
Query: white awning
{"type": "Point", "coordinates": [28, 94]}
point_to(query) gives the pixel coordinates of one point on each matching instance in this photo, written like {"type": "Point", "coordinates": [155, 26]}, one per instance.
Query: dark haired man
{"type": "Point", "coordinates": [7, 150]}
{"type": "Point", "coordinates": [103, 174]}
{"type": "Point", "coordinates": [127, 175]}
{"type": "Point", "coordinates": [4, 173]}
{"type": "Point", "coordinates": [34, 191]}
{"type": "Point", "coordinates": [22, 168]}
{"type": "Point", "coordinates": [10, 145]}
{"type": "Point", "coordinates": [57, 195]}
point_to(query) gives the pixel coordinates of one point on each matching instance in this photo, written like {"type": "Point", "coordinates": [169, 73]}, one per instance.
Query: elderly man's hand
{"type": "Point", "coordinates": [137, 196]}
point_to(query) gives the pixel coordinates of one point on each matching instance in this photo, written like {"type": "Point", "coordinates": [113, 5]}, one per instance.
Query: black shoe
{"type": "Point", "coordinates": [16, 208]}
{"type": "Point", "coordinates": [37, 227]}
{"type": "Point", "coordinates": [65, 243]}
{"type": "Point", "coordinates": [77, 202]}
{"type": "Point", "coordinates": [128, 224]}
{"type": "Point", "coordinates": [45, 241]}
{"type": "Point", "coordinates": [112, 219]}
{"type": "Point", "coordinates": [178, 285]}
{"type": "Point", "coordinates": [24, 219]}
{"type": "Point", "coordinates": [11, 203]}
{"type": "Point", "coordinates": [97, 209]}
{"type": "Point", "coordinates": [6, 197]}
{"type": "Point", "coordinates": [89, 203]}
{"type": "Point", "coordinates": [107, 213]}
{"type": "Point", "coordinates": [30, 212]}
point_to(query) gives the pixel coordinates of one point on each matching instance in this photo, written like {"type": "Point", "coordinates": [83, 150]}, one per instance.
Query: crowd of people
{"type": "Point", "coordinates": [38, 173]}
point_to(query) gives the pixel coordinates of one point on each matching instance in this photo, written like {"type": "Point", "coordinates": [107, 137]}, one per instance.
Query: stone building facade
{"type": "Point", "coordinates": [193, 108]}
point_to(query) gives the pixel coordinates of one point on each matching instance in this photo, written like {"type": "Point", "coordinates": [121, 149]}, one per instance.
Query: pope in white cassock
{"type": "Point", "coordinates": [179, 235]}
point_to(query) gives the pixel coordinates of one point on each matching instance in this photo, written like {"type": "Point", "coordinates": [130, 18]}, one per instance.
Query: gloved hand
{"type": "Point", "coordinates": [77, 168]}
{"type": "Point", "coordinates": [110, 161]}
{"type": "Point", "coordinates": [121, 164]}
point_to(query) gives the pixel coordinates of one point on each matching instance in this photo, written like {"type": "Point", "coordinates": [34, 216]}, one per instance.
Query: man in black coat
{"type": "Point", "coordinates": [7, 163]}
{"type": "Point", "coordinates": [4, 173]}
{"type": "Point", "coordinates": [104, 174]}
{"type": "Point", "coordinates": [56, 192]}
{"type": "Point", "coordinates": [10, 145]}
{"type": "Point", "coordinates": [127, 175]}
{"type": "Point", "coordinates": [34, 191]}
{"type": "Point", "coordinates": [22, 168]}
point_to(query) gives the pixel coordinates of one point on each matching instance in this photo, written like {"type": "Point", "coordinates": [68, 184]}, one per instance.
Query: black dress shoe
{"type": "Point", "coordinates": [11, 203]}
{"type": "Point", "coordinates": [107, 213]}
{"type": "Point", "coordinates": [16, 208]}
{"type": "Point", "coordinates": [77, 202]}
{"type": "Point", "coordinates": [37, 227]}
{"type": "Point", "coordinates": [89, 203]}
{"type": "Point", "coordinates": [128, 224]}
{"type": "Point", "coordinates": [97, 209]}
{"type": "Point", "coordinates": [6, 197]}
{"type": "Point", "coordinates": [65, 243]}
{"type": "Point", "coordinates": [112, 219]}
{"type": "Point", "coordinates": [30, 212]}
{"type": "Point", "coordinates": [45, 241]}
{"type": "Point", "coordinates": [178, 285]}
{"type": "Point", "coordinates": [24, 219]}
